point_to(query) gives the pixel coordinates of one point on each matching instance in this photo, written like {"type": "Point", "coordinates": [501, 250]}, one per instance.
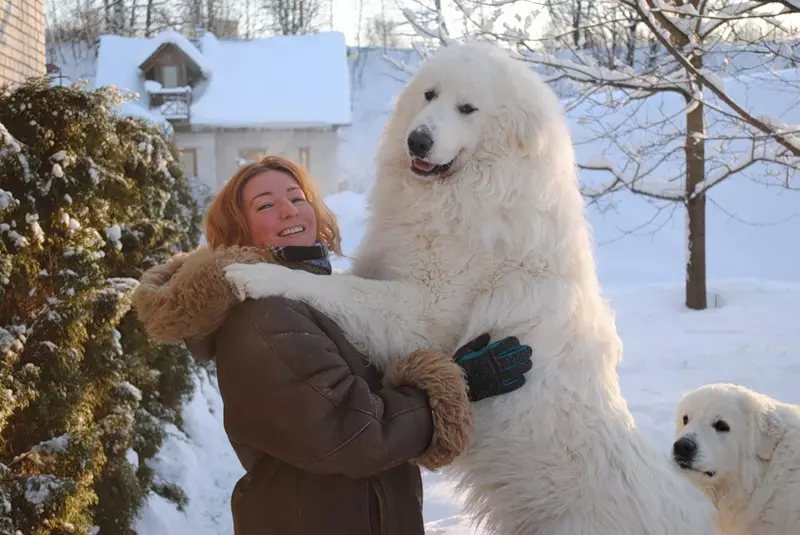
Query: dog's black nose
{"type": "Point", "coordinates": [684, 450]}
{"type": "Point", "coordinates": [420, 142]}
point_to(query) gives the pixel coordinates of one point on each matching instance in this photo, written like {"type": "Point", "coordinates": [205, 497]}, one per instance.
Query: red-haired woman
{"type": "Point", "coordinates": [330, 445]}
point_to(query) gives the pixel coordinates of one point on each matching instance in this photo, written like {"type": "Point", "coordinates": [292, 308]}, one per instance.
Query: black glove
{"type": "Point", "coordinates": [493, 369]}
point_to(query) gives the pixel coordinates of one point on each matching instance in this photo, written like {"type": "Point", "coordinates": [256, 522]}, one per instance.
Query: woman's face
{"type": "Point", "coordinates": [277, 211]}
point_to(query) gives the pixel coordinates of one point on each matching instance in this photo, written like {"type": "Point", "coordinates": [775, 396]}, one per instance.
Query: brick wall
{"type": "Point", "coordinates": [22, 51]}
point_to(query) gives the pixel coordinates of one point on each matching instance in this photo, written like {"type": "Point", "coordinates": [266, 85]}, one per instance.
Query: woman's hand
{"type": "Point", "coordinates": [493, 369]}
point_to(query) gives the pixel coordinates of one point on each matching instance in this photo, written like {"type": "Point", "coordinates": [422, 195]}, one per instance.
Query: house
{"type": "Point", "coordinates": [229, 101]}
{"type": "Point", "coordinates": [22, 51]}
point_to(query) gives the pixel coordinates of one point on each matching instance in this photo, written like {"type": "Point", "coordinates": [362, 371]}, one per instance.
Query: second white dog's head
{"type": "Point", "coordinates": [722, 434]}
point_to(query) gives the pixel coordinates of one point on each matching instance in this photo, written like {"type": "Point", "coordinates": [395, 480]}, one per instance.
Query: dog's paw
{"type": "Point", "coordinates": [257, 280]}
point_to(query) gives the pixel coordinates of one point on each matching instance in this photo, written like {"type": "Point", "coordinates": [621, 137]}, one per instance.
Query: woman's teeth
{"type": "Point", "coordinates": [290, 231]}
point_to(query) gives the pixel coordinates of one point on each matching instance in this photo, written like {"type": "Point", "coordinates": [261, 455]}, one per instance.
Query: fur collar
{"type": "Point", "coordinates": [188, 297]}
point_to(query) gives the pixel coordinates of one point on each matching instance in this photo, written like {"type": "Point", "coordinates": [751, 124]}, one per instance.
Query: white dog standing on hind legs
{"type": "Point", "coordinates": [743, 450]}
{"type": "Point", "coordinates": [477, 226]}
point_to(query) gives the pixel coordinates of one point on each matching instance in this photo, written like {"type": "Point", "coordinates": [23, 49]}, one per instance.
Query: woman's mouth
{"type": "Point", "coordinates": [291, 231]}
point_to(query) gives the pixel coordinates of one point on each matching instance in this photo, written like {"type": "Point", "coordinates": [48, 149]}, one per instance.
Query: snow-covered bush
{"type": "Point", "coordinates": [88, 200]}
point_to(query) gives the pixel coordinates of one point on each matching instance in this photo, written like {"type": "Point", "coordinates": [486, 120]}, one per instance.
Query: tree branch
{"type": "Point", "coordinates": [652, 20]}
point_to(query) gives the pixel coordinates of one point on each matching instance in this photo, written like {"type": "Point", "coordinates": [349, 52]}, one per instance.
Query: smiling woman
{"type": "Point", "coordinates": [271, 203]}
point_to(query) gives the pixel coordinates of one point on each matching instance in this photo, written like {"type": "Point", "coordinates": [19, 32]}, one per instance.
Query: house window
{"type": "Point", "coordinates": [189, 162]}
{"type": "Point", "coordinates": [304, 157]}
{"type": "Point", "coordinates": [250, 155]}
{"type": "Point", "coordinates": [169, 76]}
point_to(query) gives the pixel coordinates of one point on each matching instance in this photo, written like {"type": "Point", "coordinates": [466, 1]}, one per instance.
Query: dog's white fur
{"type": "Point", "coordinates": [755, 465]}
{"type": "Point", "coordinates": [500, 245]}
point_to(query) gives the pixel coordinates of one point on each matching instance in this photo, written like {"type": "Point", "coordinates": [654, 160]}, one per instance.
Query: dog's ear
{"type": "Point", "coordinates": [521, 125]}
{"type": "Point", "coordinates": [522, 107]}
{"type": "Point", "coordinates": [770, 427]}
{"type": "Point", "coordinates": [522, 122]}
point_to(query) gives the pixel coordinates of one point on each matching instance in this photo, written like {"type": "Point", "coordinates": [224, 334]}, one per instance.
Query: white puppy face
{"type": "Point", "coordinates": [720, 431]}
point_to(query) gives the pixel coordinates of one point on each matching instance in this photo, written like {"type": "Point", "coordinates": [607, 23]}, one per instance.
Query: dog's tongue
{"type": "Point", "coordinates": [423, 165]}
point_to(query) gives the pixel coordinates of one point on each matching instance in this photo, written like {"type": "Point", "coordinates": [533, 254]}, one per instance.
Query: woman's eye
{"type": "Point", "coordinates": [264, 206]}
{"type": "Point", "coordinates": [299, 199]}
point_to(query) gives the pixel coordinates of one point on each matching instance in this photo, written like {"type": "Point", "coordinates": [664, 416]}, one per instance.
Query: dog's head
{"type": "Point", "coordinates": [470, 102]}
{"type": "Point", "coordinates": [724, 433]}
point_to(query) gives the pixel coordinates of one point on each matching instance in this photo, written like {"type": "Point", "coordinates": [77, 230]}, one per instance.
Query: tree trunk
{"type": "Point", "coordinates": [630, 59]}
{"type": "Point", "coordinates": [576, 24]}
{"type": "Point", "coordinates": [148, 18]}
{"type": "Point", "coordinates": [695, 206]}
{"type": "Point", "coordinates": [132, 23]}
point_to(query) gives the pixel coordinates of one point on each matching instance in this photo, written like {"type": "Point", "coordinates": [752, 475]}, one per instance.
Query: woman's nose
{"type": "Point", "coordinates": [287, 209]}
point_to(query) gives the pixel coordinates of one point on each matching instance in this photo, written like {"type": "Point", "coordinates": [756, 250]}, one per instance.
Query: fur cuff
{"type": "Point", "coordinates": [189, 296]}
{"type": "Point", "coordinates": [443, 382]}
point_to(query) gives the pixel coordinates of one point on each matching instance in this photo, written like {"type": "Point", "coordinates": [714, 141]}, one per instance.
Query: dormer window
{"type": "Point", "coordinates": [169, 76]}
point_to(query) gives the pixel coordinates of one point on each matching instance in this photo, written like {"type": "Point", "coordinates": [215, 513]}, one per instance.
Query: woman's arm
{"type": "Point", "coordinates": [288, 392]}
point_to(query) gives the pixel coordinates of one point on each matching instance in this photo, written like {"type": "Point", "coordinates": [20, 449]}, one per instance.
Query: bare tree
{"type": "Point", "coordinates": [382, 32]}
{"type": "Point", "coordinates": [678, 50]}
{"type": "Point", "coordinates": [293, 17]}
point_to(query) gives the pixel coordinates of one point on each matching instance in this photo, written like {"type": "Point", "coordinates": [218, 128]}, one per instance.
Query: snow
{"type": "Point", "coordinates": [114, 235]}
{"type": "Point", "coordinates": [311, 88]}
{"type": "Point", "coordinates": [151, 86]}
{"type": "Point", "coordinates": [39, 488]}
{"type": "Point", "coordinates": [54, 445]}
{"type": "Point", "coordinates": [202, 462]}
{"type": "Point", "coordinates": [300, 81]}
{"type": "Point", "coordinates": [7, 199]}
{"type": "Point", "coordinates": [126, 387]}
{"type": "Point", "coordinates": [6, 340]}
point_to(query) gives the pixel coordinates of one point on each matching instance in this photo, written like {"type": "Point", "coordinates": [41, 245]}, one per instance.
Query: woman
{"type": "Point", "coordinates": [329, 445]}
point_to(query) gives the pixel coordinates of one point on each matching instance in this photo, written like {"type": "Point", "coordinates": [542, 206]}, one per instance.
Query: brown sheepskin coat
{"type": "Point", "coordinates": [329, 446]}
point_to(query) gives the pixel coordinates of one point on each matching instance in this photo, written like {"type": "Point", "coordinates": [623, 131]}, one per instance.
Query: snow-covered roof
{"type": "Point", "coordinates": [275, 82]}
{"type": "Point", "coordinates": [185, 46]}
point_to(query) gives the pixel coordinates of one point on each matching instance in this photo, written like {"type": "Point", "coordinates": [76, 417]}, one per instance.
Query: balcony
{"type": "Point", "coordinates": [174, 103]}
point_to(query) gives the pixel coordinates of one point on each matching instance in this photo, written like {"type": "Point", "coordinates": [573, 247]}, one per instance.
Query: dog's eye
{"type": "Point", "coordinates": [467, 109]}
{"type": "Point", "coordinates": [430, 94]}
{"type": "Point", "coordinates": [721, 426]}
{"type": "Point", "coordinates": [685, 419]}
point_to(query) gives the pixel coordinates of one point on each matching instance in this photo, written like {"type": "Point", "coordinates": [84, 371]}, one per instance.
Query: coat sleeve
{"type": "Point", "coordinates": [289, 393]}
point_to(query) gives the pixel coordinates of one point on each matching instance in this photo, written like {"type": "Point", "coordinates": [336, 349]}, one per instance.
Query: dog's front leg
{"type": "Point", "coordinates": [383, 319]}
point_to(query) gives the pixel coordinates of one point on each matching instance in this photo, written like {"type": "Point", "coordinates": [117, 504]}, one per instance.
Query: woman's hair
{"type": "Point", "coordinates": [226, 224]}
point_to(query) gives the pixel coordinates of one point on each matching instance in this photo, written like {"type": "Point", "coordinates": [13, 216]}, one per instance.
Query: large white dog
{"type": "Point", "coordinates": [477, 226]}
{"type": "Point", "coordinates": [743, 449]}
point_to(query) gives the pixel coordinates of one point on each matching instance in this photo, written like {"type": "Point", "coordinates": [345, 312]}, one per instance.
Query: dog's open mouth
{"type": "Point", "coordinates": [687, 466]}
{"type": "Point", "coordinates": [423, 168]}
